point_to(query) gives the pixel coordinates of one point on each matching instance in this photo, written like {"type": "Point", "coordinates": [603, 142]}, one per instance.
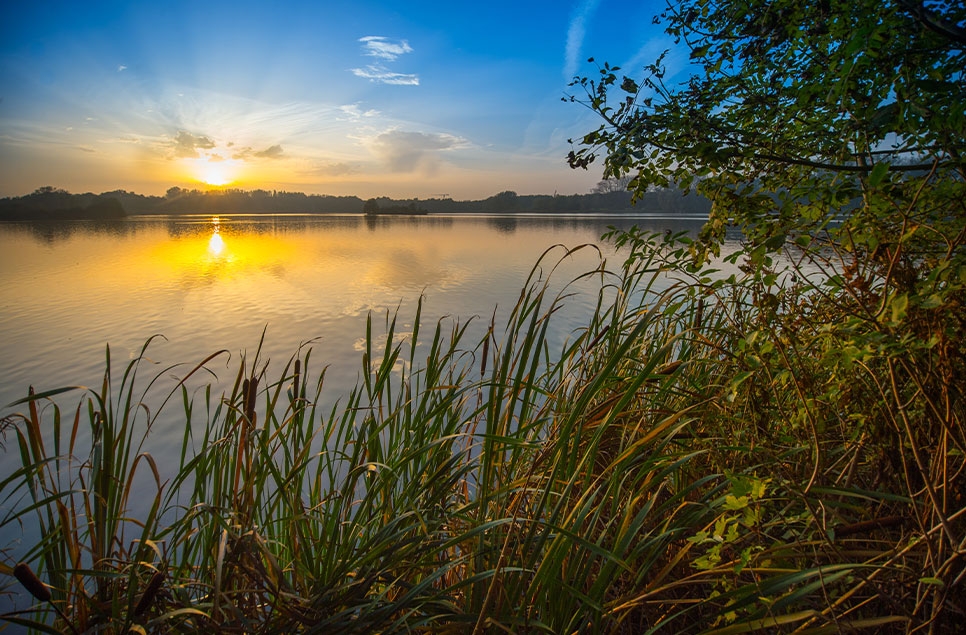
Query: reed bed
{"type": "Point", "coordinates": [703, 456]}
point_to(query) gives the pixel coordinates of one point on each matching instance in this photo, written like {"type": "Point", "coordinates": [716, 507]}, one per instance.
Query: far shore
{"type": "Point", "coordinates": [49, 203]}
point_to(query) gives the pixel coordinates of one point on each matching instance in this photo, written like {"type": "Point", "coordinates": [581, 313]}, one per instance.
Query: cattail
{"type": "Point", "coordinates": [31, 582]}
{"type": "Point", "coordinates": [699, 314]}
{"type": "Point", "coordinates": [150, 592]}
{"type": "Point", "coordinates": [598, 337]}
{"type": "Point", "coordinates": [486, 350]}
{"type": "Point", "coordinates": [669, 368]}
{"type": "Point", "coordinates": [252, 398]}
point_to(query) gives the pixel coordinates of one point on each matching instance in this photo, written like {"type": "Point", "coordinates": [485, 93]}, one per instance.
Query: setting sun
{"type": "Point", "coordinates": [215, 177]}
{"type": "Point", "coordinates": [214, 172]}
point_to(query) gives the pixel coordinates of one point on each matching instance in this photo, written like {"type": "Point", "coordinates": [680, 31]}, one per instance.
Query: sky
{"type": "Point", "coordinates": [366, 98]}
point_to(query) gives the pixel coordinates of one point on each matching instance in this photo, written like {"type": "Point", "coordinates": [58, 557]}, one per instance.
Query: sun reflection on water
{"type": "Point", "coordinates": [216, 244]}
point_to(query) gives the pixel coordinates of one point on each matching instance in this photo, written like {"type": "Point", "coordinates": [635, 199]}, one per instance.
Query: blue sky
{"type": "Point", "coordinates": [361, 98]}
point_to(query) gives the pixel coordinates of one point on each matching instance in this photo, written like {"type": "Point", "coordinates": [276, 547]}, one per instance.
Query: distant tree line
{"type": "Point", "coordinates": [182, 201]}
{"type": "Point", "coordinates": [373, 207]}
{"type": "Point", "coordinates": [607, 196]}
{"type": "Point", "coordinates": [50, 203]}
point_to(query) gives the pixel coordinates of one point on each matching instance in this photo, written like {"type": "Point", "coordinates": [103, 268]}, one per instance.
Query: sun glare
{"type": "Point", "coordinates": [216, 173]}
{"type": "Point", "coordinates": [216, 244]}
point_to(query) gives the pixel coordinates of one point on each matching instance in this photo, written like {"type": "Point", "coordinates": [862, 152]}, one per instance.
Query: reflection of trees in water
{"type": "Point", "coordinates": [503, 224]}
{"type": "Point", "coordinates": [598, 225]}
{"type": "Point", "coordinates": [394, 221]}
{"type": "Point", "coordinates": [50, 232]}
{"type": "Point", "coordinates": [179, 227]}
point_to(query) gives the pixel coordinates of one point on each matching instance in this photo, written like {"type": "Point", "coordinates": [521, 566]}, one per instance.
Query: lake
{"type": "Point", "coordinates": [210, 283]}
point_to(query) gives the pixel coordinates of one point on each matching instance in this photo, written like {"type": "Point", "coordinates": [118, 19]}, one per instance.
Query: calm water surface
{"type": "Point", "coordinates": [205, 284]}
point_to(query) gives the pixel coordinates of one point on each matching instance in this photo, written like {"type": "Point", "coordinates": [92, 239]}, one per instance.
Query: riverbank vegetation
{"type": "Point", "coordinates": [782, 449]}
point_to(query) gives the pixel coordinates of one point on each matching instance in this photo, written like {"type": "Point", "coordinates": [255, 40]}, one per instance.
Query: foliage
{"type": "Point", "coordinates": [661, 472]}
{"type": "Point", "coordinates": [832, 133]}
{"type": "Point", "coordinates": [833, 116]}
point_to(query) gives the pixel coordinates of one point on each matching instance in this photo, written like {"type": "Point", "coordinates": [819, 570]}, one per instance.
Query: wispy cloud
{"type": "Point", "coordinates": [575, 36]}
{"type": "Point", "coordinates": [673, 61]}
{"type": "Point", "coordinates": [379, 73]}
{"type": "Point", "coordinates": [407, 152]}
{"type": "Point", "coordinates": [354, 113]}
{"type": "Point", "coordinates": [382, 48]}
{"type": "Point", "coordinates": [121, 67]}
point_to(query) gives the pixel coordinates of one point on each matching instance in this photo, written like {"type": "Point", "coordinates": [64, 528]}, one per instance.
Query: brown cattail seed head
{"type": "Point", "coordinates": [154, 585]}
{"type": "Point", "coordinates": [31, 582]}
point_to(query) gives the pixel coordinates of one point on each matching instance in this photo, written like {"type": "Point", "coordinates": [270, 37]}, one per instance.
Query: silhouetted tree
{"type": "Point", "coordinates": [502, 202]}
{"type": "Point", "coordinates": [618, 184]}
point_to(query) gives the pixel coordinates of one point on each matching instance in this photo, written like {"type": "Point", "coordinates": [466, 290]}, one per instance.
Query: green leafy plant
{"type": "Point", "coordinates": [831, 135]}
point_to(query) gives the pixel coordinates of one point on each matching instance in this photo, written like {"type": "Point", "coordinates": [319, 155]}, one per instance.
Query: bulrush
{"type": "Point", "coordinates": [31, 582]}
{"type": "Point", "coordinates": [150, 592]}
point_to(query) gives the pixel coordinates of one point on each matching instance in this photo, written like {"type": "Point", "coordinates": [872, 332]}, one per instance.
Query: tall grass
{"type": "Point", "coordinates": [682, 463]}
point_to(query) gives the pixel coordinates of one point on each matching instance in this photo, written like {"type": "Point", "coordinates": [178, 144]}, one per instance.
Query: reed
{"type": "Point", "coordinates": [683, 462]}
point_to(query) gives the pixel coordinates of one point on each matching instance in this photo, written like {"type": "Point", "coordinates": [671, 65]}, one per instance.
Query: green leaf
{"type": "Point", "coordinates": [44, 395]}
{"type": "Point", "coordinates": [878, 173]}
{"type": "Point", "coordinates": [900, 304]}
{"type": "Point", "coordinates": [735, 502]}
{"type": "Point", "coordinates": [776, 242]}
{"type": "Point", "coordinates": [758, 488]}
{"type": "Point", "coordinates": [700, 51]}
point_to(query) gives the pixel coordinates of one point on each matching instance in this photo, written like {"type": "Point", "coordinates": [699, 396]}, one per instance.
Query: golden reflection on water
{"type": "Point", "coordinates": [216, 244]}
{"type": "Point", "coordinates": [209, 283]}
{"type": "Point", "coordinates": [217, 250]}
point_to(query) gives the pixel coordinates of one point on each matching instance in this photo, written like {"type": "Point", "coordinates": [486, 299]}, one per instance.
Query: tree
{"type": "Point", "coordinates": [799, 115]}
{"type": "Point", "coordinates": [837, 126]}
{"type": "Point", "coordinates": [606, 186]}
{"type": "Point", "coordinates": [505, 201]}
{"type": "Point", "coordinates": [49, 189]}
{"type": "Point", "coordinates": [835, 130]}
